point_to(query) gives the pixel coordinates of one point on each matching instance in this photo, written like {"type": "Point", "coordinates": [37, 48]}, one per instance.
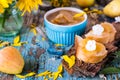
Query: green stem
{"type": "Point", "coordinates": [4, 19]}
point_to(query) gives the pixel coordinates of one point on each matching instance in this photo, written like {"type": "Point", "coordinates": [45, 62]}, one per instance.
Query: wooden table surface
{"type": "Point", "coordinates": [37, 58]}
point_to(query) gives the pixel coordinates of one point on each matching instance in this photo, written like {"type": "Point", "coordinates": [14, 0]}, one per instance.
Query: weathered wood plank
{"type": "Point", "coordinates": [38, 62]}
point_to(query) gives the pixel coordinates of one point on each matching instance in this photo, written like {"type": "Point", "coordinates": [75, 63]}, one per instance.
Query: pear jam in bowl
{"type": "Point", "coordinates": [62, 24]}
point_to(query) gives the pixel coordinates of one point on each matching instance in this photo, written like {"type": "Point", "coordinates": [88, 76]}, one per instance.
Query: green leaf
{"type": "Point", "coordinates": [116, 57]}
{"type": "Point", "coordinates": [117, 53]}
{"type": "Point", "coordinates": [110, 70]}
{"type": "Point", "coordinates": [116, 60]}
{"type": "Point", "coordinates": [1, 22]}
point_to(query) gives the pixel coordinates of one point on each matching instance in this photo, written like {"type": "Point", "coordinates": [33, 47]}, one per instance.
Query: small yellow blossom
{"type": "Point", "coordinates": [22, 5]}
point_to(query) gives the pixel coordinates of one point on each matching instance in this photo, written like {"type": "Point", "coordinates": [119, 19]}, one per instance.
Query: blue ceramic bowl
{"type": "Point", "coordinates": [64, 34]}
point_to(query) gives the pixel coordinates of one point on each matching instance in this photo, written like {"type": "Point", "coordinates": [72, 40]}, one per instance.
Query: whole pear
{"type": "Point", "coordinates": [85, 3]}
{"type": "Point", "coordinates": [112, 9]}
{"type": "Point", "coordinates": [11, 61]}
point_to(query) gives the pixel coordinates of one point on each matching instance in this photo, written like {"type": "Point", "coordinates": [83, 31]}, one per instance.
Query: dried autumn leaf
{"type": "Point", "coordinates": [95, 10]}
{"type": "Point", "coordinates": [33, 25]}
{"type": "Point", "coordinates": [27, 75]}
{"type": "Point", "coordinates": [99, 12]}
{"type": "Point", "coordinates": [70, 60]}
{"type": "Point", "coordinates": [16, 39]}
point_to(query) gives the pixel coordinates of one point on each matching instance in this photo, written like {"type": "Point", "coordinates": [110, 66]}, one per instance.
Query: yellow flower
{"type": "Point", "coordinates": [1, 9]}
{"type": "Point", "coordinates": [9, 1]}
{"type": "Point", "coordinates": [4, 4]}
{"type": "Point", "coordinates": [28, 5]}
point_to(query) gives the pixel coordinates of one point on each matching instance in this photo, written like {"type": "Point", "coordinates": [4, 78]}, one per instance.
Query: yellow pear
{"type": "Point", "coordinates": [112, 9]}
{"type": "Point", "coordinates": [11, 61]}
{"type": "Point", "coordinates": [85, 3]}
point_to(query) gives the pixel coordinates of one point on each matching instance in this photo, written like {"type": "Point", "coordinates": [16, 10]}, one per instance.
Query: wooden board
{"type": "Point", "coordinates": [37, 59]}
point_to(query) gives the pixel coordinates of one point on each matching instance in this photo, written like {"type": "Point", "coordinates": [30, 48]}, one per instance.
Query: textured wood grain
{"type": "Point", "coordinates": [38, 62]}
{"type": "Point", "coordinates": [37, 58]}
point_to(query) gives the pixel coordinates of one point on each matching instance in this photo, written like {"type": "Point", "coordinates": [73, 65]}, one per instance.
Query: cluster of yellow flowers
{"type": "Point", "coordinates": [60, 3]}
{"type": "Point", "coordinates": [22, 5]}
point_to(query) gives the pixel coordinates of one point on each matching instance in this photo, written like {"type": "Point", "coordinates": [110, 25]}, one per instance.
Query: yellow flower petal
{"type": "Point", "coordinates": [43, 74]}
{"type": "Point", "coordinates": [43, 39]}
{"type": "Point", "coordinates": [4, 3]}
{"type": "Point", "coordinates": [1, 9]}
{"type": "Point", "coordinates": [70, 60]}
{"type": "Point", "coordinates": [86, 9]}
{"type": "Point", "coordinates": [33, 25]}
{"type": "Point", "coordinates": [27, 75]}
{"type": "Point", "coordinates": [5, 43]}
{"type": "Point", "coordinates": [60, 68]}
{"type": "Point", "coordinates": [9, 1]}
{"type": "Point", "coordinates": [79, 15]}
{"type": "Point", "coordinates": [95, 10]}
{"type": "Point", "coordinates": [19, 44]}
{"type": "Point", "coordinates": [55, 75]}
{"type": "Point", "coordinates": [16, 39]}
{"type": "Point", "coordinates": [58, 45]}
{"type": "Point", "coordinates": [58, 73]}
{"type": "Point", "coordinates": [34, 31]}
